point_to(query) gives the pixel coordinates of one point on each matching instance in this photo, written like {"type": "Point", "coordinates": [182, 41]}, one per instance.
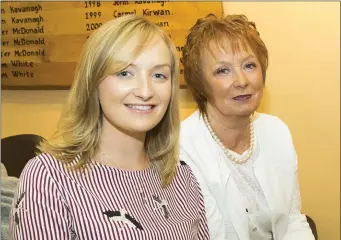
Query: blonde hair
{"type": "Point", "coordinates": [236, 30]}
{"type": "Point", "coordinates": [106, 52]}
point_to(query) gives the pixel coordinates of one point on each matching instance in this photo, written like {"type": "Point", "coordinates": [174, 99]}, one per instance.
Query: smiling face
{"type": "Point", "coordinates": [136, 98]}
{"type": "Point", "coordinates": [234, 80]}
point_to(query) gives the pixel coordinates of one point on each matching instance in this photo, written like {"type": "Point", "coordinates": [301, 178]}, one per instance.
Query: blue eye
{"type": "Point", "coordinates": [250, 65]}
{"type": "Point", "coordinates": [160, 76]}
{"type": "Point", "coordinates": [221, 71]}
{"type": "Point", "coordinates": [124, 74]}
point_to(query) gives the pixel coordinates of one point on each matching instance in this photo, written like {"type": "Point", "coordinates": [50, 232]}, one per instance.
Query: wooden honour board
{"type": "Point", "coordinates": [41, 41]}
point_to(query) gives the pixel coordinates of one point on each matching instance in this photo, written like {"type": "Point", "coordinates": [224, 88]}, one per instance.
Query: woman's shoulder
{"type": "Point", "coordinates": [43, 163]}
{"type": "Point", "coordinates": [267, 124]}
{"type": "Point", "coordinates": [183, 167]}
{"type": "Point", "coordinates": [274, 136]}
{"type": "Point", "coordinates": [37, 175]}
{"type": "Point", "coordinates": [265, 119]}
{"type": "Point", "coordinates": [48, 160]}
{"type": "Point", "coordinates": [184, 172]}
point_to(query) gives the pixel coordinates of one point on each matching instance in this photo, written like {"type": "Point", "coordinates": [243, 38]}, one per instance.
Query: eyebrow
{"type": "Point", "coordinates": [162, 65]}
{"type": "Point", "coordinates": [156, 66]}
{"type": "Point", "coordinates": [243, 60]}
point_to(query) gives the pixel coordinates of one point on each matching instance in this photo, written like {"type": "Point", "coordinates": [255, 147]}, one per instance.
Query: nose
{"type": "Point", "coordinates": [145, 89]}
{"type": "Point", "coordinates": [241, 80]}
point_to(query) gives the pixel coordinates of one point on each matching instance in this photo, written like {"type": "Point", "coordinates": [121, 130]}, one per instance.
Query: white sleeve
{"type": "Point", "coordinates": [298, 227]}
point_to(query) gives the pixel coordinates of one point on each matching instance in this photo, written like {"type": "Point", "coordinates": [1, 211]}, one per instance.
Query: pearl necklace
{"type": "Point", "coordinates": [226, 150]}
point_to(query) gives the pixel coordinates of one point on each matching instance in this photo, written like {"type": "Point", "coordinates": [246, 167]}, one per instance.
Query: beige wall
{"type": "Point", "coordinates": [302, 88]}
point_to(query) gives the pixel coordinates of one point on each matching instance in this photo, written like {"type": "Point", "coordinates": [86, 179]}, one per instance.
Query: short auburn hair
{"type": "Point", "coordinates": [236, 30]}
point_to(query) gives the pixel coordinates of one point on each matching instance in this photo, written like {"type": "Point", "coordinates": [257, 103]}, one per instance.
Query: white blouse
{"type": "Point", "coordinates": [254, 199]}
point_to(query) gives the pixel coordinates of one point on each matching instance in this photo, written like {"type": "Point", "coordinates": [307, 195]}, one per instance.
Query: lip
{"type": "Point", "coordinates": [141, 108]}
{"type": "Point", "coordinates": [243, 97]}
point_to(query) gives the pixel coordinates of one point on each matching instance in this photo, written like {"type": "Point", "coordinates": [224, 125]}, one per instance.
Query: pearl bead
{"type": "Point", "coordinates": [226, 150]}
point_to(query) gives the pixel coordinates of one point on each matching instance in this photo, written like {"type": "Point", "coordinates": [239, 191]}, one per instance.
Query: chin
{"type": "Point", "coordinates": [141, 127]}
{"type": "Point", "coordinates": [246, 112]}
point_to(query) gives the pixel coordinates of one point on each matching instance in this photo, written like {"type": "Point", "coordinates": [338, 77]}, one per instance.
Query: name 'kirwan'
{"type": "Point", "coordinates": [147, 12]}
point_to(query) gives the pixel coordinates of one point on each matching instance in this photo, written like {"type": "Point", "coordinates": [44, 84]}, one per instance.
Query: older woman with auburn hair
{"type": "Point", "coordinates": [113, 171]}
{"type": "Point", "coordinates": [245, 162]}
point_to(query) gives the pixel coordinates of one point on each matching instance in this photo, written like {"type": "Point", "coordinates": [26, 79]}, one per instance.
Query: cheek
{"type": "Point", "coordinates": [260, 84]}
{"type": "Point", "coordinates": [165, 92]}
{"type": "Point", "coordinates": [102, 92]}
{"type": "Point", "coordinates": [106, 96]}
{"type": "Point", "coordinates": [105, 87]}
{"type": "Point", "coordinates": [219, 94]}
{"type": "Point", "coordinates": [110, 91]}
{"type": "Point", "coordinates": [220, 90]}
{"type": "Point", "coordinates": [258, 81]}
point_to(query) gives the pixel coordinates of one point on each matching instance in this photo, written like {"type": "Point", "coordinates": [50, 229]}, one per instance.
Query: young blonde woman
{"type": "Point", "coordinates": [112, 169]}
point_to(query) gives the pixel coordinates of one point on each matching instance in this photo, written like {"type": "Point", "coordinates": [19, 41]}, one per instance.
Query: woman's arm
{"type": "Point", "coordinates": [38, 210]}
{"type": "Point", "coordinates": [298, 227]}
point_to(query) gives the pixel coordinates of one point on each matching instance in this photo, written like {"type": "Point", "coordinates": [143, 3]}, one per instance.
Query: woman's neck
{"type": "Point", "coordinates": [233, 131]}
{"type": "Point", "coordinates": [121, 149]}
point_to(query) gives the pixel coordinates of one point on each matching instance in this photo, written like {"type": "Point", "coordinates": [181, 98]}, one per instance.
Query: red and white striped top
{"type": "Point", "coordinates": [105, 203]}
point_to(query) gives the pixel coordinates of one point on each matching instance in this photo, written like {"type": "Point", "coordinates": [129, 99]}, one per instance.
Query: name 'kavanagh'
{"type": "Point", "coordinates": [37, 20]}
{"type": "Point", "coordinates": [35, 9]}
